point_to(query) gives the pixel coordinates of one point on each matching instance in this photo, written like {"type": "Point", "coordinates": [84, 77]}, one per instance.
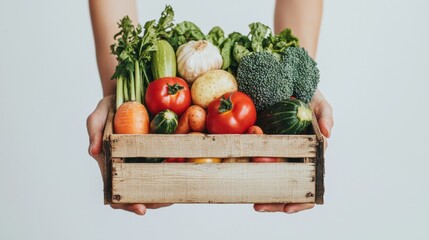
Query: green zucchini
{"type": "Point", "coordinates": [163, 62]}
{"type": "Point", "coordinates": [290, 116]}
{"type": "Point", "coordinates": [144, 160]}
{"type": "Point", "coordinates": [165, 122]}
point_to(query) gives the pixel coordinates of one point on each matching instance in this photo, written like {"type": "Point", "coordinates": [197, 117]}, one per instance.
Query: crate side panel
{"type": "Point", "coordinates": [320, 162]}
{"type": "Point", "coordinates": [107, 152]}
{"type": "Point", "coordinates": [233, 145]}
{"type": "Point", "coordinates": [214, 183]}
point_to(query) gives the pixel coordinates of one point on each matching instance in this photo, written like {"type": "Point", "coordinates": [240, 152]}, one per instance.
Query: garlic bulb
{"type": "Point", "coordinates": [197, 57]}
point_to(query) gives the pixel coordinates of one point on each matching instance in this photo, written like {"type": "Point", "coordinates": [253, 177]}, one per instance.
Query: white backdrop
{"type": "Point", "coordinates": [373, 60]}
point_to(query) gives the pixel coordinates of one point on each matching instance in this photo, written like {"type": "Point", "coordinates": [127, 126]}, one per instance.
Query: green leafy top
{"type": "Point", "coordinates": [183, 33]}
{"type": "Point", "coordinates": [137, 43]}
{"type": "Point", "coordinates": [124, 48]}
{"type": "Point", "coordinates": [259, 39]}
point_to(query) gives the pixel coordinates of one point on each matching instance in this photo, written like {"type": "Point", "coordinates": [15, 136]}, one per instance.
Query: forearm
{"type": "Point", "coordinates": [303, 17]}
{"type": "Point", "coordinates": [105, 14]}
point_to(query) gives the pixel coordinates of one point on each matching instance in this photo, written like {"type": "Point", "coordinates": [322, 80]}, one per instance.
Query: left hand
{"type": "Point", "coordinates": [95, 125]}
{"type": "Point", "coordinates": [323, 111]}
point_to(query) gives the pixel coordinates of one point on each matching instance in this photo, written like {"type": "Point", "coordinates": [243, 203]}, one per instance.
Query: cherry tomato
{"type": "Point", "coordinates": [232, 113]}
{"type": "Point", "coordinates": [204, 160]}
{"type": "Point", "coordinates": [168, 93]}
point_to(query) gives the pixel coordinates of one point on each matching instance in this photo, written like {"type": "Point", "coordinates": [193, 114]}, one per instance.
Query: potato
{"type": "Point", "coordinates": [236, 160]}
{"type": "Point", "coordinates": [192, 120]}
{"type": "Point", "coordinates": [254, 130]}
{"type": "Point", "coordinates": [212, 85]}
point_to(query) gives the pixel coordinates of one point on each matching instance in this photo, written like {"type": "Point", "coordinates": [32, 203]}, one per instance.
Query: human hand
{"type": "Point", "coordinates": [323, 111]}
{"type": "Point", "coordinates": [95, 125]}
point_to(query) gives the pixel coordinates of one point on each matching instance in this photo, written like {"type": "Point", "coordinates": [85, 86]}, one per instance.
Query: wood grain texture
{"type": "Point", "coordinates": [213, 183]}
{"type": "Point", "coordinates": [222, 145]}
{"type": "Point", "coordinates": [320, 162]}
{"type": "Point", "coordinates": [106, 172]}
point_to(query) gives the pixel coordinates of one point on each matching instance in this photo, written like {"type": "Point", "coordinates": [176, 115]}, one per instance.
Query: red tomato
{"type": "Point", "coordinates": [168, 93]}
{"type": "Point", "coordinates": [232, 113]}
{"type": "Point", "coordinates": [174, 160]}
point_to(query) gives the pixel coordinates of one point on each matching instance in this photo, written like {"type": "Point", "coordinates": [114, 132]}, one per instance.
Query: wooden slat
{"type": "Point", "coordinates": [192, 145]}
{"type": "Point", "coordinates": [213, 183]}
{"type": "Point", "coordinates": [107, 167]}
{"type": "Point", "coordinates": [320, 162]}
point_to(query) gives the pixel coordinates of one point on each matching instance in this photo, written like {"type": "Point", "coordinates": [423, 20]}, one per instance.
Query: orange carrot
{"type": "Point", "coordinates": [131, 118]}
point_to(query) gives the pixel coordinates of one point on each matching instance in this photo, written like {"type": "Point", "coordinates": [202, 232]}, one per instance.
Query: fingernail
{"type": "Point", "coordinates": [262, 210]}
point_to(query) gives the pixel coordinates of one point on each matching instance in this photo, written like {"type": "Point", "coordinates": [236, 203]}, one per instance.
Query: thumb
{"type": "Point", "coordinates": [324, 115]}
{"type": "Point", "coordinates": [325, 125]}
{"type": "Point", "coordinates": [323, 111]}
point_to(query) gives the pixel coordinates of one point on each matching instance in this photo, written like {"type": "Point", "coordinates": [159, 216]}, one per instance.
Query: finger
{"type": "Point", "coordinates": [323, 111]}
{"type": "Point", "coordinates": [326, 121]}
{"type": "Point", "coordinates": [297, 207]}
{"type": "Point", "coordinates": [138, 209]}
{"type": "Point", "coordinates": [287, 208]}
{"type": "Point", "coordinates": [95, 125]}
{"type": "Point", "coordinates": [278, 207]}
{"type": "Point", "coordinates": [157, 205]}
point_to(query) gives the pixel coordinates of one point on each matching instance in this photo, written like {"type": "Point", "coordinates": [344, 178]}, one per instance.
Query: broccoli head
{"type": "Point", "coordinates": [264, 77]}
{"type": "Point", "coordinates": [302, 70]}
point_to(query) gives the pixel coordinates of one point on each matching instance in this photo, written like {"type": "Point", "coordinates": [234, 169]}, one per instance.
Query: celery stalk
{"type": "Point", "coordinates": [119, 92]}
{"type": "Point", "coordinates": [138, 82]}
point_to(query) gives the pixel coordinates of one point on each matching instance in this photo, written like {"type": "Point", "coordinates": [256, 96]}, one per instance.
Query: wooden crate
{"type": "Point", "coordinates": [286, 182]}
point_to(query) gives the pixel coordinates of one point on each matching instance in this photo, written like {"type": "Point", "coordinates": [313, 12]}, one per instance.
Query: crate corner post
{"type": "Point", "coordinates": [107, 154]}
{"type": "Point", "coordinates": [320, 162]}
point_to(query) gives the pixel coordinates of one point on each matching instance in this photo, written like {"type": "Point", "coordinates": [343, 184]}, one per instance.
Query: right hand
{"type": "Point", "coordinates": [95, 126]}
{"type": "Point", "coordinates": [323, 112]}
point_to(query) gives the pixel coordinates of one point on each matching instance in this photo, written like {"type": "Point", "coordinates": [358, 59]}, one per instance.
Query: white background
{"type": "Point", "coordinates": [373, 57]}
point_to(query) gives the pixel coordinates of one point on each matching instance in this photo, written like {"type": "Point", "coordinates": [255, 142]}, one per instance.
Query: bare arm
{"type": "Point", "coordinates": [104, 17]}
{"type": "Point", "coordinates": [303, 17]}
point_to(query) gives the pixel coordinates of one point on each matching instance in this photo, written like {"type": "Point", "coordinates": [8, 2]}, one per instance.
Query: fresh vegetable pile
{"type": "Point", "coordinates": [174, 79]}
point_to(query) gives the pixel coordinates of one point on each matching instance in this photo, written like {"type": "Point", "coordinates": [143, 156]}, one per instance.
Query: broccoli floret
{"type": "Point", "coordinates": [269, 78]}
{"type": "Point", "coordinates": [263, 77]}
{"type": "Point", "coordinates": [302, 70]}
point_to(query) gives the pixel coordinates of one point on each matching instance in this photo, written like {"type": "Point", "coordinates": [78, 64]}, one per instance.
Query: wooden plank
{"type": "Point", "coordinates": [213, 183]}
{"type": "Point", "coordinates": [309, 160]}
{"type": "Point", "coordinates": [107, 168]}
{"type": "Point", "coordinates": [320, 162]}
{"type": "Point", "coordinates": [223, 146]}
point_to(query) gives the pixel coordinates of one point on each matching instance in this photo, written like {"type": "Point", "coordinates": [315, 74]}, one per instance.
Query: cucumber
{"type": "Point", "coordinates": [165, 122]}
{"type": "Point", "coordinates": [290, 116]}
{"type": "Point", "coordinates": [163, 62]}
